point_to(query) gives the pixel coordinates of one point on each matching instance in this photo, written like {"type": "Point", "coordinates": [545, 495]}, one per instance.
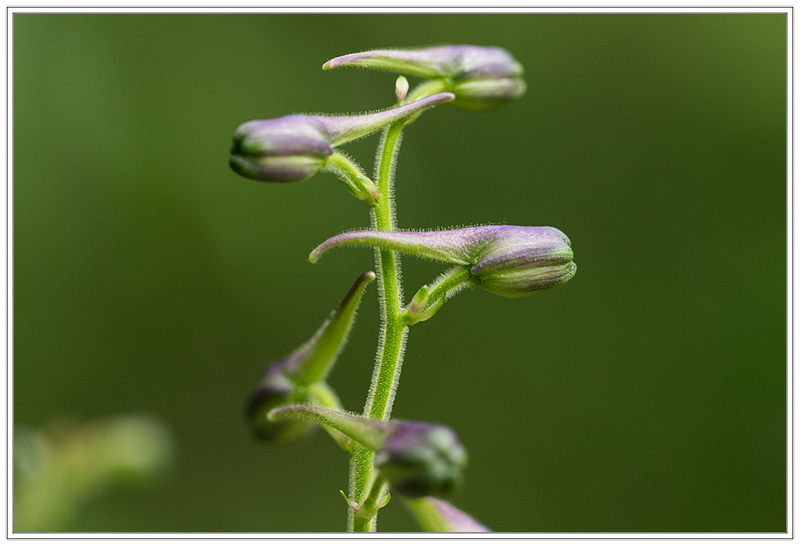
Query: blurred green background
{"type": "Point", "coordinates": [647, 394]}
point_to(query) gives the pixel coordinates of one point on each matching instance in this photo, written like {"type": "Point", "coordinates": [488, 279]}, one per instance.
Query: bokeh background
{"type": "Point", "coordinates": [647, 394]}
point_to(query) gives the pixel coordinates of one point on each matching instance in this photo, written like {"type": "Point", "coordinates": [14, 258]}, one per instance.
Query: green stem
{"type": "Point", "coordinates": [450, 283]}
{"type": "Point", "coordinates": [429, 299]}
{"type": "Point", "coordinates": [392, 339]}
{"type": "Point", "coordinates": [351, 176]}
{"type": "Point", "coordinates": [426, 89]}
{"type": "Point", "coordinates": [393, 332]}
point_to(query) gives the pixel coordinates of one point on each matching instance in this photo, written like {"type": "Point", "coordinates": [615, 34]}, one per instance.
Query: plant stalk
{"type": "Point", "coordinates": [393, 332]}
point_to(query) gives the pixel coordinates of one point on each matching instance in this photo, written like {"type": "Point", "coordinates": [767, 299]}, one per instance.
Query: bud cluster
{"type": "Point", "coordinates": [420, 461]}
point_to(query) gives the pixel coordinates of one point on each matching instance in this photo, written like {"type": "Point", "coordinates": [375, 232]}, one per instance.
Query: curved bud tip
{"type": "Point", "coordinates": [287, 149]}
{"type": "Point", "coordinates": [480, 77]}
{"type": "Point", "coordinates": [421, 459]}
{"type": "Point", "coordinates": [343, 129]}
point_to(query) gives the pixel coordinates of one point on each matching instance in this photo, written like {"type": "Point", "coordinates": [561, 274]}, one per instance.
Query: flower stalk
{"type": "Point", "coordinates": [392, 337]}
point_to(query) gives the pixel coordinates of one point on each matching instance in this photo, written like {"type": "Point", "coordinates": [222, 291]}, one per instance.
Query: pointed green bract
{"type": "Point", "coordinates": [322, 350]}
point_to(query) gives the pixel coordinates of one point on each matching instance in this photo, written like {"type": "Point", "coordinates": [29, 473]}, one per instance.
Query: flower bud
{"type": "Point", "coordinates": [420, 459]}
{"type": "Point", "coordinates": [294, 148]}
{"type": "Point", "coordinates": [276, 389]}
{"type": "Point", "coordinates": [510, 261]}
{"type": "Point", "coordinates": [400, 88]}
{"type": "Point", "coordinates": [480, 77]}
{"type": "Point", "coordinates": [287, 149]}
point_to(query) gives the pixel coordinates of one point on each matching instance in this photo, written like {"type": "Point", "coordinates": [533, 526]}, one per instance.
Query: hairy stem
{"type": "Point", "coordinates": [449, 283]}
{"type": "Point", "coordinates": [393, 332]}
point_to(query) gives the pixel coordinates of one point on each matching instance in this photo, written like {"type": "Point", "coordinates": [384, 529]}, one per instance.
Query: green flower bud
{"type": "Point", "coordinates": [287, 149]}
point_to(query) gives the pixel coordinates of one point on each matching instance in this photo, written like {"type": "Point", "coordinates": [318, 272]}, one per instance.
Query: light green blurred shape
{"type": "Point", "coordinates": [65, 465]}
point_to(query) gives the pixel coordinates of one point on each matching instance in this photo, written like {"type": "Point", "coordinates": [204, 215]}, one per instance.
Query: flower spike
{"type": "Point", "coordinates": [510, 261]}
{"type": "Point", "coordinates": [480, 77]}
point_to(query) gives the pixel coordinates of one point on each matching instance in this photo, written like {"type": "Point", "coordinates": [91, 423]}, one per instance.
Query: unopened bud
{"type": "Point", "coordinates": [480, 77]}
{"type": "Point", "coordinates": [276, 389]}
{"type": "Point", "coordinates": [287, 149]}
{"type": "Point", "coordinates": [510, 261]}
{"type": "Point", "coordinates": [421, 459]}
{"type": "Point", "coordinates": [294, 148]}
{"type": "Point", "coordinates": [401, 88]}
{"type": "Point", "coordinates": [418, 459]}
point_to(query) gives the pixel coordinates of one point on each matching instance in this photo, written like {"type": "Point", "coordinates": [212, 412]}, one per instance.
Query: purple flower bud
{"type": "Point", "coordinates": [294, 148]}
{"type": "Point", "coordinates": [276, 389]}
{"type": "Point", "coordinates": [418, 459]}
{"type": "Point", "coordinates": [421, 459]}
{"type": "Point", "coordinates": [287, 149]}
{"type": "Point", "coordinates": [480, 77]}
{"type": "Point", "coordinates": [510, 261]}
